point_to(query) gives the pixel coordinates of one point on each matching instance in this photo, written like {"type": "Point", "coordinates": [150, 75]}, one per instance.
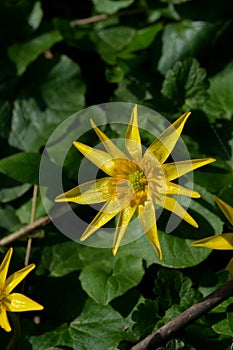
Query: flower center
{"type": "Point", "coordinates": [137, 180]}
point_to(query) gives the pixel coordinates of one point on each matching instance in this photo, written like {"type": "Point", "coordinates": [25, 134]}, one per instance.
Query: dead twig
{"type": "Point", "coordinates": [25, 230]}
{"type": "Point", "coordinates": [103, 17]}
{"type": "Point", "coordinates": [154, 340]}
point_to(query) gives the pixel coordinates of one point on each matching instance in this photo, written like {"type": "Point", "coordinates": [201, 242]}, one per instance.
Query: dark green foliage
{"type": "Point", "coordinates": [170, 55]}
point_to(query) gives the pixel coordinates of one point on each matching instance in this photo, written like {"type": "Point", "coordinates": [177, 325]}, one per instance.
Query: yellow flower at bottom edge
{"type": "Point", "coordinates": [223, 241]}
{"type": "Point", "coordinates": [135, 181]}
{"type": "Point", "coordinates": [14, 302]}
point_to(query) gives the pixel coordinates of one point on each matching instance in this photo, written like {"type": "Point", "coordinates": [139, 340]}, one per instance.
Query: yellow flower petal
{"type": "Point", "coordinates": [112, 149]}
{"type": "Point", "coordinates": [173, 188]}
{"type": "Point", "coordinates": [226, 209]}
{"type": "Point", "coordinates": [101, 159]}
{"type": "Point", "coordinates": [172, 205]}
{"type": "Point", "coordinates": [132, 138]}
{"type": "Point", "coordinates": [164, 144]}
{"type": "Point", "coordinates": [219, 242]}
{"type": "Point", "coordinates": [4, 322]}
{"type": "Point", "coordinates": [146, 216]}
{"type": "Point", "coordinates": [174, 170]}
{"type": "Point", "coordinates": [123, 221]}
{"type": "Point", "coordinates": [95, 191]}
{"type": "Point", "coordinates": [105, 214]}
{"type": "Point", "coordinates": [4, 267]}
{"type": "Point", "coordinates": [230, 266]}
{"type": "Point", "coordinates": [17, 302]}
{"type": "Point", "coordinates": [16, 278]}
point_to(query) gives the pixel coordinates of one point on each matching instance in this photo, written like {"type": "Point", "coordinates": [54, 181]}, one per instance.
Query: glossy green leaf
{"type": "Point", "coordinates": [183, 39]}
{"type": "Point", "coordinates": [57, 337]}
{"type": "Point", "coordinates": [88, 331]}
{"type": "Point", "coordinates": [23, 167]}
{"type": "Point", "coordinates": [8, 218]}
{"type": "Point", "coordinates": [11, 193]}
{"type": "Point", "coordinates": [36, 15]}
{"type": "Point", "coordinates": [110, 6]}
{"type": "Point", "coordinates": [145, 317]}
{"type": "Point", "coordinates": [186, 85]}
{"type": "Point", "coordinates": [114, 279]}
{"type": "Point", "coordinates": [61, 259]}
{"type": "Point", "coordinates": [220, 103]}
{"type": "Point", "coordinates": [22, 54]}
{"type": "Point", "coordinates": [62, 94]}
{"type": "Point", "coordinates": [142, 40]}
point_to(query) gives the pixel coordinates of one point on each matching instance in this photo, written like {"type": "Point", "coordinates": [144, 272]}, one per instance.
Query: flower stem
{"type": "Point", "coordinates": [16, 332]}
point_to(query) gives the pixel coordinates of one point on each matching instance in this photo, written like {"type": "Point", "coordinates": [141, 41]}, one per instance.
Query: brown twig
{"type": "Point", "coordinates": [103, 17]}
{"type": "Point", "coordinates": [33, 213]}
{"type": "Point", "coordinates": [154, 340]}
{"type": "Point", "coordinates": [25, 230]}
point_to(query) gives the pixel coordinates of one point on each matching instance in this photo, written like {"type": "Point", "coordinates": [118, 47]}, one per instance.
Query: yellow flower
{"type": "Point", "coordinates": [14, 302]}
{"type": "Point", "coordinates": [136, 181]}
{"type": "Point", "coordinates": [223, 241]}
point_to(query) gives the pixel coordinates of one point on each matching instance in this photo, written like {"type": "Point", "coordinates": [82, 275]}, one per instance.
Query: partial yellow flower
{"type": "Point", "coordinates": [223, 241]}
{"type": "Point", "coordinates": [135, 181]}
{"type": "Point", "coordinates": [14, 302]}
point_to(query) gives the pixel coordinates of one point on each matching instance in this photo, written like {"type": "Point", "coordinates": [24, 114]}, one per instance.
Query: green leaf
{"type": "Point", "coordinates": [36, 117]}
{"type": "Point", "coordinates": [61, 259]}
{"type": "Point", "coordinates": [183, 39]}
{"type": "Point", "coordinates": [59, 336]}
{"type": "Point", "coordinates": [145, 317]}
{"type": "Point", "coordinates": [111, 41]}
{"type": "Point", "coordinates": [142, 40]}
{"type": "Point", "coordinates": [23, 167]}
{"type": "Point", "coordinates": [110, 6]}
{"type": "Point", "coordinates": [22, 54]}
{"type": "Point", "coordinates": [223, 327]}
{"type": "Point", "coordinates": [11, 193]}
{"type": "Point", "coordinates": [8, 219]}
{"type": "Point", "coordinates": [220, 103]}
{"type": "Point", "coordinates": [186, 84]}
{"type": "Point", "coordinates": [36, 15]}
{"type": "Point", "coordinates": [104, 281]}
{"type": "Point", "coordinates": [98, 327]}
{"type": "Point", "coordinates": [171, 288]}
{"type": "Point", "coordinates": [114, 74]}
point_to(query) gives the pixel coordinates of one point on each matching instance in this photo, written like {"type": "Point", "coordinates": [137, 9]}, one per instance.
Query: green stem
{"type": "Point", "coordinates": [16, 332]}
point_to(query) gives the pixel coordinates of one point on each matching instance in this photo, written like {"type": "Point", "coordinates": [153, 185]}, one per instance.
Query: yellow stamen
{"type": "Point", "coordinates": [137, 180]}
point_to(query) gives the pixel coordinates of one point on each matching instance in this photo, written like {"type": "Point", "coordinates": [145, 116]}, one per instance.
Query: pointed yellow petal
{"type": "Point", "coordinates": [95, 191]}
{"type": "Point", "coordinates": [226, 209]}
{"type": "Point", "coordinates": [123, 221]}
{"type": "Point", "coordinates": [106, 213]}
{"type": "Point", "coordinates": [220, 242]}
{"type": "Point", "coordinates": [101, 159]}
{"type": "Point", "coordinates": [177, 189]}
{"type": "Point", "coordinates": [172, 205]}
{"type": "Point", "coordinates": [174, 170]}
{"type": "Point", "coordinates": [164, 144]}
{"type": "Point", "coordinates": [132, 138]}
{"type": "Point", "coordinates": [17, 302]}
{"type": "Point", "coordinates": [146, 216]}
{"type": "Point", "coordinates": [16, 278]}
{"type": "Point", "coordinates": [4, 267]}
{"type": "Point", "coordinates": [230, 266]}
{"type": "Point", "coordinates": [4, 323]}
{"type": "Point", "coordinates": [112, 149]}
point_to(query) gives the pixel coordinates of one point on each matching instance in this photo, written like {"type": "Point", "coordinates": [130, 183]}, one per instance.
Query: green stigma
{"type": "Point", "coordinates": [137, 180]}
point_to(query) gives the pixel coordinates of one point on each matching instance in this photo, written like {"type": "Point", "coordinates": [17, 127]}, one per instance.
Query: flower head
{"type": "Point", "coordinates": [135, 181]}
{"type": "Point", "coordinates": [14, 302]}
{"type": "Point", "coordinates": [223, 241]}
